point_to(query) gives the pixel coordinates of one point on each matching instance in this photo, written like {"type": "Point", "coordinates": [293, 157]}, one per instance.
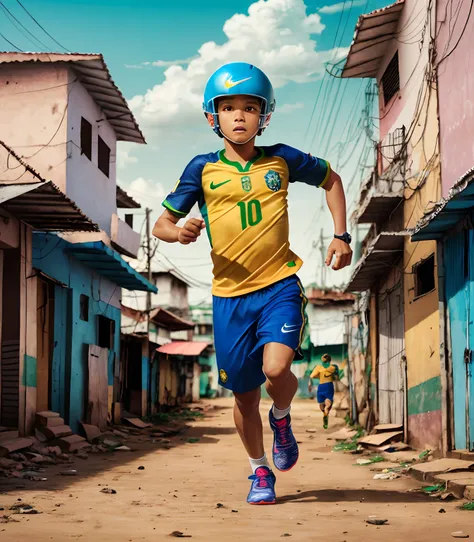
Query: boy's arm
{"type": "Point", "coordinates": [167, 230]}
{"type": "Point", "coordinates": [315, 373]}
{"type": "Point", "coordinates": [336, 201]}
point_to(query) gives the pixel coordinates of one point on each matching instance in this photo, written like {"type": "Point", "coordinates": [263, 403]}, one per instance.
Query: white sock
{"type": "Point", "coordinates": [256, 463]}
{"type": "Point", "coordinates": [279, 414]}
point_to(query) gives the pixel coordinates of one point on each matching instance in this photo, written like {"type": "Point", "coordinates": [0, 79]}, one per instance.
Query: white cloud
{"type": "Point", "coordinates": [289, 108]}
{"type": "Point", "coordinates": [124, 157]}
{"type": "Point", "coordinates": [147, 192]}
{"type": "Point", "coordinates": [341, 6]}
{"type": "Point", "coordinates": [159, 64]}
{"type": "Point", "coordinates": [275, 35]}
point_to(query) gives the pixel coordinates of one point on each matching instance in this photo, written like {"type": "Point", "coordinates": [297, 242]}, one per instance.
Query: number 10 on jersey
{"type": "Point", "coordinates": [250, 213]}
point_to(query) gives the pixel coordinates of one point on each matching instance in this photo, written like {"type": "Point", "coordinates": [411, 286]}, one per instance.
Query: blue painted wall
{"type": "Point", "coordinates": [459, 277]}
{"type": "Point", "coordinates": [71, 334]}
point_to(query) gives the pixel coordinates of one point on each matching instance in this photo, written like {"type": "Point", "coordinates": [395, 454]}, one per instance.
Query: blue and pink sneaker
{"type": "Point", "coordinates": [285, 447]}
{"type": "Point", "coordinates": [262, 490]}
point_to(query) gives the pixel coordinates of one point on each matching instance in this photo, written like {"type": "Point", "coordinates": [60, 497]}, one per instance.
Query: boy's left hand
{"type": "Point", "coordinates": [343, 253]}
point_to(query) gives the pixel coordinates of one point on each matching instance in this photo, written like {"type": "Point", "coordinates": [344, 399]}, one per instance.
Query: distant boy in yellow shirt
{"type": "Point", "coordinates": [327, 374]}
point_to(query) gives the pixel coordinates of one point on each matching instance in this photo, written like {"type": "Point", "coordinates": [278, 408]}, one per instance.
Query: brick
{"type": "Point", "coordinates": [72, 443]}
{"type": "Point", "coordinates": [42, 418]}
{"type": "Point", "coordinates": [10, 446]}
{"type": "Point", "coordinates": [92, 432]}
{"type": "Point", "coordinates": [56, 432]}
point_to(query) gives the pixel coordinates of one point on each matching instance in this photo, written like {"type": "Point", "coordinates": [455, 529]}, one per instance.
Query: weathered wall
{"type": "Point", "coordinates": [34, 116]}
{"type": "Point", "coordinates": [415, 108]}
{"type": "Point", "coordinates": [49, 255]}
{"type": "Point", "coordinates": [93, 192]}
{"type": "Point", "coordinates": [455, 89]}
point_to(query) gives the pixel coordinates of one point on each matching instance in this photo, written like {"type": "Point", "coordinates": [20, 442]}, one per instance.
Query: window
{"type": "Point", "coordinates": [103, 157]}
{"type": "Point", "coordinates": [106, 332]}
{"type": "Point", "coordinates": [84, 308]}
{"type": "Point", "coordinates": [129, 220]}
{"type": "Point", "coordinates": [86, 138]}
{"type": "Point", "coordinates": [391, 80]}
{"type": "Point", "coordinates": [424, 276]}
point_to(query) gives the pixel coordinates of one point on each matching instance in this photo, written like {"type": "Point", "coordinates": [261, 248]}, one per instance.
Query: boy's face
{"type": "Point", "coordinates": [239, 117]}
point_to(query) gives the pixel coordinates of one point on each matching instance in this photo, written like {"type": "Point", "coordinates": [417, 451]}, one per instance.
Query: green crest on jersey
{"type": "Point", "coordinates": [272, 178]}
{"type": "Point", "coordinates": [246, 183]}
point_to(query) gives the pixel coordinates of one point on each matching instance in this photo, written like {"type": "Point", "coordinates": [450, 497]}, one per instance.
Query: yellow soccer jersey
{"type": "Point", "coordinates": [246, 213]}
{"type": "Point", "coordinates": [324, 374]}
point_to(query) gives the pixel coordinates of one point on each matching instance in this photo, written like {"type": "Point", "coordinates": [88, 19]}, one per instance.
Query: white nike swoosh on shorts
{"type": "Point", "coordinates": [289, 329]}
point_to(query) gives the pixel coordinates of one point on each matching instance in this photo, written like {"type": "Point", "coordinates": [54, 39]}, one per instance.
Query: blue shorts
{"type": "Point", "coordinates": [325, 391]}
{"type": "Point", "coordinates": [244, 324]}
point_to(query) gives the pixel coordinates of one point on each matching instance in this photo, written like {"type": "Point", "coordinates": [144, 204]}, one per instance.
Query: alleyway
{"type": "Point", "coordinates": [324, 498]}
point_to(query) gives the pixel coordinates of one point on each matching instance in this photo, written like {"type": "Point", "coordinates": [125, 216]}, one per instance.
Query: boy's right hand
{"type": "Point", "coordinates": [191, 231]}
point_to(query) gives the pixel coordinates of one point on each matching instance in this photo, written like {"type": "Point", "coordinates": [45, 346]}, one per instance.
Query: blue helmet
{"type": "Point", "coordinates": [239, 78]}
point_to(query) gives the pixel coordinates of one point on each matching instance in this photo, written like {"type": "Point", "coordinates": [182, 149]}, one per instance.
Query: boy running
{"type": "Point", "coordinates": [258, 301]}
{"type": "Point", "coordinates": [327, 374]}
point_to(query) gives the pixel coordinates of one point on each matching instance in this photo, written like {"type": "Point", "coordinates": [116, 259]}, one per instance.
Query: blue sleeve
{"type": "Point", "coordinates": [303, 167]}
{"type": "Point", "coordinates": [188, 189]}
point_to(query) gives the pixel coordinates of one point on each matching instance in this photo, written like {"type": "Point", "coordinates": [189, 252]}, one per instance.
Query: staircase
{"type": "Point", "coordinates": [52, 427]}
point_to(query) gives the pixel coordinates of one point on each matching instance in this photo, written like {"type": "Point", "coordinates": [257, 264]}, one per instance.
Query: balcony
{"type": "Point", "coordinates": [123, 238]}
{"type": "Point", "coordinates": [381, 253]}
{"type": "Point", "coordinates": [382, 193]}
{"type": "Point", "coordinates": [378, 199]}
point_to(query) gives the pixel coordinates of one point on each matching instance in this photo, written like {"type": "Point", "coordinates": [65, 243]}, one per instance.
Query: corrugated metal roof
{"type": "Point", "coordinates": [368, 47]}
{"type": "Point", "coordinates": [93, 73]}
{"type": "Point", "coordinates": [105, 261]}
{"type": "Point", "coordinates": [183, 348]}
{"type": "Point", "coordinates": [44, 207]}
{"type": "Point", "coordinates": [160, 317]}
{"type": "Point", "coordinates": [125, 201]}
{"type": "Point", "coordinates": [447, 212]}
{"type": "Point", "coordinates": [380, 257]}
{"type": "Point", "coordinates": [321, 297]}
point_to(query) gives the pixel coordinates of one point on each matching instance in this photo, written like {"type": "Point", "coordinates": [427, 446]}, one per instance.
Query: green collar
{"type": "Point", "coordinates": [238, 165]}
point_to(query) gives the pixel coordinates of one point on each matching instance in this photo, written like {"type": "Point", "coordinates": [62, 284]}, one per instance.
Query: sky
{"type": "Point", "coordinates": [160, 55]}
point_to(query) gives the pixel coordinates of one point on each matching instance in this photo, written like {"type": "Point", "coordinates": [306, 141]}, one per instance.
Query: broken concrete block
{"type": "Point", "coordinates": [72, 443]}
{"type": "Point", "coordinates": [56, 432]}
{"type": "Point", "coordinates": [92, 432]}
{"type": "Point", "coordinates": [10, 446]}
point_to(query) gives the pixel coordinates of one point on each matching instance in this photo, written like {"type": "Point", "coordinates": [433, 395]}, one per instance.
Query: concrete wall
{"type": "Point", "coordinates": [49, 255]}
{"type": "Point", "coordinates": [455, 90]}
{"type": "Point", "coordinates": [34, 116]}
{"type": "Point", "coordinates": [93, 192]}
{"type": "Point", "coordinates": [172, 293]}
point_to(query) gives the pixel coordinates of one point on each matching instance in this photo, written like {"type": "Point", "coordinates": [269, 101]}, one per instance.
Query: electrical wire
{"type": "Point", "coordinates": [11, 43]}
{"type": "Point", "coordinates": [16, 22]}
{"type": "Point", "coordinates": [42, 28]}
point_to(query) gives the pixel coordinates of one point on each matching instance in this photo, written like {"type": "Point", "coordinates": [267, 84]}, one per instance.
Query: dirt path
{"type": "Point", "coordinates": [325, 498]}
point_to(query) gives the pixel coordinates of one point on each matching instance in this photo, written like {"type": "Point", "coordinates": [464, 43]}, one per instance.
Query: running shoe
{"type": "Point", "coordinates": [262, 490]}
{"type": "Point", "coordinates": [285, 448]}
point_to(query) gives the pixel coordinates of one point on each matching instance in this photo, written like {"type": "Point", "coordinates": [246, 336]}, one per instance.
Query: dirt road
{"type": "Point", "coordinates": [325, 498]}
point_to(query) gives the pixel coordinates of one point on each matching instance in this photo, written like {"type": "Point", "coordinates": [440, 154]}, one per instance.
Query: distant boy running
{"type": "Point", "coordinates": [327, 374]}
{"type": "Point", "coordinates": [258, 303]}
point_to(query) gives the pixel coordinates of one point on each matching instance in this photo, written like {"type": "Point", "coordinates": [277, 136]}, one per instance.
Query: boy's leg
{"type": "Point", "coordinates": [281, 384]}
{"type": "Point", "coordinates": [249, 422]}
{"type": "Point", "coordinates": [327, 407]}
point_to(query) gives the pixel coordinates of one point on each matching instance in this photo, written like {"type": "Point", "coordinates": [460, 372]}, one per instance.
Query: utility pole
{"type": "Point", "coordinates": [323, 258]}
{"type": "Point", "coordinates": [148, 268]}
